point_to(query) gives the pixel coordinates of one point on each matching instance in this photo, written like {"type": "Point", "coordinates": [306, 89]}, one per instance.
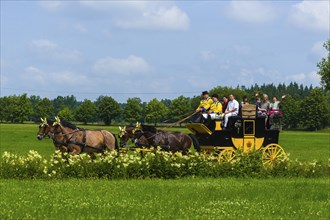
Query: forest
{"type": "Point", "coordinates": [303, 108]}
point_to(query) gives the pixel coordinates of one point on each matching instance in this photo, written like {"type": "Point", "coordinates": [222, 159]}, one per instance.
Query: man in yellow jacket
{"type": "Point", "coordinates": [205, 103]}
{"type": "Point", "coordinates": [215, 108]}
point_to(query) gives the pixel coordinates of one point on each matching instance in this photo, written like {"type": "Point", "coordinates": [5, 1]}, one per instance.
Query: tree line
{"type": "Point", "coordinates": [304, 107]}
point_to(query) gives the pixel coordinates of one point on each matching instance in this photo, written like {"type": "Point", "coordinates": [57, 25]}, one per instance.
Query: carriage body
{"type": "Point", "coordinates": [246, 132]}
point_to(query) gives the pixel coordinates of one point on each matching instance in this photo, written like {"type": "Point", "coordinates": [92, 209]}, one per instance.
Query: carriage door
{"type": "Point", "coordinates": [249, 135]}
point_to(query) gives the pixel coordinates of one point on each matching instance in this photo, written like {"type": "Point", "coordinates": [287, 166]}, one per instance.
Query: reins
{"type": "Point", "coordinates": [172, 124]}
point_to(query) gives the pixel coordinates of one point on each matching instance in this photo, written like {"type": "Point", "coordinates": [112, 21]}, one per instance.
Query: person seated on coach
{"type": "Point", "coordinates": [264, 106]}
{"type": "Point", "coordinates": [232, 109]}
{"type": "Point", "coordinates": [224, 103]}
{"type": "Point", "coordinates": [243, 102]}
{"type": "Point", "coordinates": [205, 103]}
{"type": "Point", "coordinates": [203, 107]}
{"type": "Point", "coordinates": [258, 105]}
{"type": "Point", "coordinates": [215, 111]}
{"type": "Point", "coordinates": [274, 107]}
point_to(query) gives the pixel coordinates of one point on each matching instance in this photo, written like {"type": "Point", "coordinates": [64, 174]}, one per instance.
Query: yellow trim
{"type": "Point", "coordinates": [259, 142]}
{"type": "Point", "coordinates": [218, 126]}
{"type": "Point", "coordinates": [249, 143]}
{"type": "Point", "coordinates": [216, 147]}
{"type": "Point", "coordinates": [198, 128]}
{"type": "Point", "coordinates": [238, 142]}
{"type": "Point", "coordinates": [254, 127]}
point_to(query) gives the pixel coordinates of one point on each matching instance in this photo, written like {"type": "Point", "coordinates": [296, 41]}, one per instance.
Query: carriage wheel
{"type": "Point", "coordinates": [227, 155]}
{"type": "Point", "coordinates": [273, 153]}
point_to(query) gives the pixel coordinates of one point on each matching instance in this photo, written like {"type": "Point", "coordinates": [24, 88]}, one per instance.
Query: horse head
{"type": "Point", "coordinates": [138, 127]}
{"type": "Point", "coordinates": [44, 129]}
{"type": "Point", "coordinates": [123, 136]}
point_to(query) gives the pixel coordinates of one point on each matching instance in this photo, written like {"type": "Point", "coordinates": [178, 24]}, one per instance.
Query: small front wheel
{"type": "Point", "coordinates": [227, 155]}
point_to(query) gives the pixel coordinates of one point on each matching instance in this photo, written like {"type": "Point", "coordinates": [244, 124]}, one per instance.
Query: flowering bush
{"type": "Point", "coordinates": [153, 164]}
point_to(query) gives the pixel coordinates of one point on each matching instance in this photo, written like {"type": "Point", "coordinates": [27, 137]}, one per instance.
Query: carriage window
{"type": "Point", "coordinates": [249, 127]}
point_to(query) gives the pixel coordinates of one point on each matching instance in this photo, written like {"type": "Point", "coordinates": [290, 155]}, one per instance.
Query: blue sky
{"type": "Point", "coordinates": [157, 49]}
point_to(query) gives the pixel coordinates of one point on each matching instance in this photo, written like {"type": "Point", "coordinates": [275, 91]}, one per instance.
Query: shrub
{"type": "Point", "coordinates": [154, 164]}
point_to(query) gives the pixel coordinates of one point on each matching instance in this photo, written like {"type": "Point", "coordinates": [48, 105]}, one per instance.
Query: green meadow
{"type": "Point", "coordinates": [200, 198]}
{"type": "Point", "coordinates": [186, 198]}
{"type": "Point", "coordinates": [301, 145]}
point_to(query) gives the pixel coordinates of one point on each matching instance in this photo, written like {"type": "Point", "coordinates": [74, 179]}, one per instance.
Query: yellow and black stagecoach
{"type": "Point", "coordinates": [245, 132]}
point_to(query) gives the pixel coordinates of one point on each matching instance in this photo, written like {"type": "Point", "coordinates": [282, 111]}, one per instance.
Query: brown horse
{"type": "Point", "coordinates": [170, 141]}
{"type": "Point", "coordinates": [46, 129]}
{"type": "Point", "coordinates": [81, 140]}
{"type": "Point", "coordinates": [126, 133]}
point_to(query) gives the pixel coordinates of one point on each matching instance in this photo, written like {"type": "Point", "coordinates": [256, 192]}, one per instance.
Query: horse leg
{"type": "Point", "coordinates": [75, 151]}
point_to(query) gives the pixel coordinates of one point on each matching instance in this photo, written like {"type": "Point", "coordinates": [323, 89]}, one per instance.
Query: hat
{"type": "Point", "coordinates": [215, 96]}
{"type": "Point", "coordinates": [205, 92]}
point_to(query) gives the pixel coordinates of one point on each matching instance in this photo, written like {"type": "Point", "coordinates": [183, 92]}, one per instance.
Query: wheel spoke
{"type": "Point", "coordinates": [273, 153]}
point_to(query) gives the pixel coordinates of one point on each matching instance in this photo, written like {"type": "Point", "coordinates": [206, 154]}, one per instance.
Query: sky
{"type": "Point", "coordinates": [158, 49]}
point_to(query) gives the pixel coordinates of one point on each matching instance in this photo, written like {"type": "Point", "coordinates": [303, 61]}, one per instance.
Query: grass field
{"type": "Point", "coordinates": [305, 146]}
{"type": "Point", "coordinates": [166, 199]}
{"type": "Point", "coordinates": [188, 198]}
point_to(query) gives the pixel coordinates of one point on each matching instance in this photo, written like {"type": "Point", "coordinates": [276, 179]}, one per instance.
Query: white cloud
{"type": "Point", "coordinates": [318, 51]}
{"type": "Point", "coordinates": [127, 66]}
{"type": "Point", "coordinates": [251, 11]}
{"type": "Point", "coordinates": [44, 44]}
{"type": "Point", "coordinates": [47, 50]}
{"type": "Point", "coordinates": [206, 55]}
{"type": "Point", "coordinates": [115, 5]}
{"type": "Point", "coordinates": [147, 15]}
{"type": "Point", "coordinates": [38, 78]}
{"type": "Point", "coordinates": [305, 78]}
{"type": "Point", "coordinates": [311, 15]}
{"type": "Point", "coordinates": [242, 50]}
{"type": "Point", "coordinates": [52, 5]}
{"type": "Point", "coordinates": [171, 18]}
{"type": "Point", "coordinates": [297, 77]}
{"type": "Point", "coordinates": [81, 28]}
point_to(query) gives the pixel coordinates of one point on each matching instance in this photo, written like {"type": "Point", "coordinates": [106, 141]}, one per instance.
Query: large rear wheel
{"type": "Point", "coordinates": [273, 154]}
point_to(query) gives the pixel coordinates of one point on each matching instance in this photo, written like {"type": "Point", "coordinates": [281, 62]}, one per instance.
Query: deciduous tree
{"type": "Point", "coordinates": [66, 114]}
{"type": "Point", "coordinates": [44, 108]}
{"type": "Point", "coordinates": [324, 67]}
{"type": "Point", "coordinates": [180, 107]}
{"type": "Point", "coordinates": [133, 110]}
{"type": "Point", "coordinates": [314, 110]}
{"type": "Point", "coordinates": [108, 109]}
{"type": "Point", "coordinates": [155, 111]}
{"type": "Point", "coordinates": [86, 112]}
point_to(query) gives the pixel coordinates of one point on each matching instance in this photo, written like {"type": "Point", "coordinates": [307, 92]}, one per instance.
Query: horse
{"type": "Point", "coordinates": [169, 141]}
{"type": "Point", "coordinates": [126, 133]}
{"type": "Point", "coordinates": [46, 129]}
{"type": "Point", "coordinates": [80, 140]}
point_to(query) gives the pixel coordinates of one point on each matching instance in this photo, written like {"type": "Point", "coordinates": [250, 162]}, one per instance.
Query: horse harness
{"type": "Point", "coordinates": [166, 146]}
{"type": "Point", "coordinates": [82, 144]}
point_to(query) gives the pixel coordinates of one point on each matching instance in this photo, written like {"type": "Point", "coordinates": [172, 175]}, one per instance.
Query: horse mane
{"type": "Point", "coordinates": [149, 128]}
{"type": "Point", "coordinates": [50, 121]}
{"type": "Point", "coordinates": [68, 124]}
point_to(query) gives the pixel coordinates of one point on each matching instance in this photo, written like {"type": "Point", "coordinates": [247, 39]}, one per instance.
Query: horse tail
{"type": "Point", "coordinates": [195, 142]}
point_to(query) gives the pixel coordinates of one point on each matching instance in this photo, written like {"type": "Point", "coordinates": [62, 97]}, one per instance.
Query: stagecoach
{"type": "Point", "coordinates": [246, 132]}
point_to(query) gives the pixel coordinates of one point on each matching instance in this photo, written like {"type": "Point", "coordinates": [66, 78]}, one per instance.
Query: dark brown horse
{"type": "Point", "coordinates": [82, 140]}
{"type": "Point", "coordinates": [170, 141]}
{"type": "Point", "coordinates": [126, 133]}
{"type": "Point", "coordinates": [46, 129]}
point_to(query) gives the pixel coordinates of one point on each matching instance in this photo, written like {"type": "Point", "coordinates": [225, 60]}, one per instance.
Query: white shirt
{"type": "Point", "coordinates": [232, 105]}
